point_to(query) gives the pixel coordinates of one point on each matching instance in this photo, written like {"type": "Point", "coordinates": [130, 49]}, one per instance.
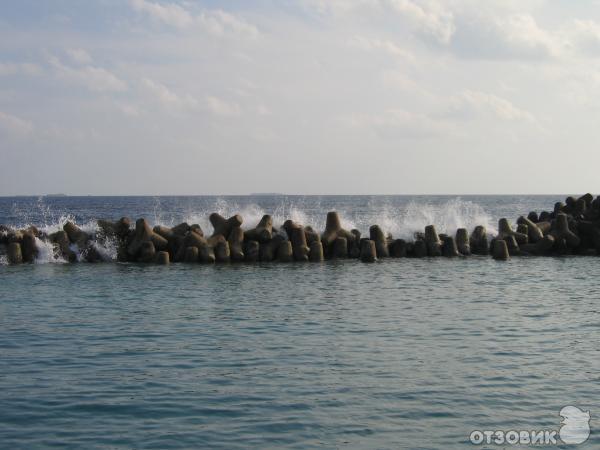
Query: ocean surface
{"type": "Point", "coordinates": [401, 354]}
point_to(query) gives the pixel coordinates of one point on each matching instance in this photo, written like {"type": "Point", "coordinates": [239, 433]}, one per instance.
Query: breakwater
{"type": "Point", "coordinates": [571, 227]}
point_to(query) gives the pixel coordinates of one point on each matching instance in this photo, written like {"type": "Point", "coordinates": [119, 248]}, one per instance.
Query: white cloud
{"type": "Point", "coordinates": [583, 36]}
{"type": "Point", "coordinates": [128, 109]}
{"type": "Point", "coordinates": [14, 126]}
{"type": "Point", "coordinates": [475, 103]}
{"type": "Point", "coordinates": [216, 22]}
{"type": "Point", "coordinates": [185, 102]}
{"type": "Point", "coordinates": [399, 124]}
{"type": "Point", "coordinates": [491, 35]}
{"type": "Point", "coordinates": [94, 78]}
{"type": "Point", "coordinates": [220, 107]}
{"type": "Point", "coordinates": [429, 18]}
{"type": "Point", "coordinates": [99, 79]}
{"type": "Point", "coordinates": [170, 14]}
{"type": "Point", "coordinates": [579, 84]}
{"type": "Point", "coordinates": [371, 44]}
{"type": "Point", "coordinates": [80, 56]}
{"type": "Point", "coordinates": [482, 30]}
{"type": "Point", "coordinates": [524, 35]}
{"type": "Point", "coordinates": [219, 23]}
{"type": "Point", "coordinates": [169, 98]}
{"type": "Point", "coordinates": [455, 77]}
{"type": "Point", "coordinates": [338, 7]}
{"type": "Point", "coordinates": [397, 80]}
{"type": "Point", "coordinates": [512, 30]}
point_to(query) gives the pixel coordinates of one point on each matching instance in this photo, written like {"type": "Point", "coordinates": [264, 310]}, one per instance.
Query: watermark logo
{"type": "Point", "coordinates": [574, 429]}
{"type": "Point", "coordinates": [575, 425]}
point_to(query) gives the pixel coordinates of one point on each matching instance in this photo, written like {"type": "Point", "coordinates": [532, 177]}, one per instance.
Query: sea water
{"type": "Point", "coordinates": [404, 353]}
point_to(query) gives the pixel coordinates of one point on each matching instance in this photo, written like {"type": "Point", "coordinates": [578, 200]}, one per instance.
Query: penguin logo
{"type": "Point", "coordinates": [575, 425]}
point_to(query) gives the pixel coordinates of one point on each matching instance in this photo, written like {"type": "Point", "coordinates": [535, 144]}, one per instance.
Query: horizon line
{"type": "Point", "coordinates": [281, 195]}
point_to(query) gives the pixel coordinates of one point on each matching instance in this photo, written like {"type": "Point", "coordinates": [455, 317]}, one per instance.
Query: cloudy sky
{"type": "Point", "coordinates": [307, 97]}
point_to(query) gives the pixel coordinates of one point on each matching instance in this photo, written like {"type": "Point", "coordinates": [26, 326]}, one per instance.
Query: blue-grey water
{"type": "Point", "coordinates": [404, 353]}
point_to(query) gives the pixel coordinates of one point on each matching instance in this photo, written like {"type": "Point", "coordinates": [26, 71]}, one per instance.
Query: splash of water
{"type": "Point", "coordinates": [447, 217]}
{"type": "Point", "coordinates": [47, 254]}
{"type": "Point", "coordinates": [400, 221]}
{"type": "Point", "coordinates": [107, 248]}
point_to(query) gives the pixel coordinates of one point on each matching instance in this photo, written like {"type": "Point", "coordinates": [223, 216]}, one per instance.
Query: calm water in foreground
{"type": "Point", "coordinates": [398, 354]}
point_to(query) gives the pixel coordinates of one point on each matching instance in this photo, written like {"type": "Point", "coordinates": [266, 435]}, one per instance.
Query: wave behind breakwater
{"type": "Point", "coordinates": [401, 216]}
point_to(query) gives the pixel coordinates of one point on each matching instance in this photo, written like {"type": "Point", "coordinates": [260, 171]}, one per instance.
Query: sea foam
{"type": "Point", "coordinates": [400, 221]}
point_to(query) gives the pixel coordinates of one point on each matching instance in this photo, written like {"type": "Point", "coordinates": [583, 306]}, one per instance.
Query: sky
{"type": "Point", "coordinates": [150, 97]}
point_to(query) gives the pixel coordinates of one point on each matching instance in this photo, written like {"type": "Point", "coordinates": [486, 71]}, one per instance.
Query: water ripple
{"type": "Point", "coordinates": [401, 354]}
